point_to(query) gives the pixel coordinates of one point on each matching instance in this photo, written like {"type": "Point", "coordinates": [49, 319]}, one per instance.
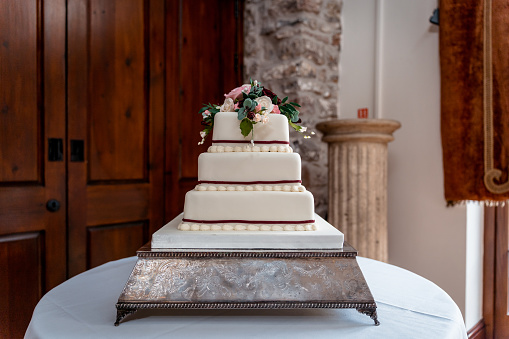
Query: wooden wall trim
{"type": "Point", "coordinates": [489, 271]}
{"type": "Point", "coordinates": [501, 318]}
{"type": "Point", "coordinates": [478, 331]}
{"type": "Point", "coordinates": [495, 272]}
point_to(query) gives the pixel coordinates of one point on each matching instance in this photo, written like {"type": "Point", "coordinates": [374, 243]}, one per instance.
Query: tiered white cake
{"type": "Point", "coordinates": [249, 195]}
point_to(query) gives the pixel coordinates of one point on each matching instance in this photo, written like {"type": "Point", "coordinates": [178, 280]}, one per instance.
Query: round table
{"type": "Point", "coordinates": [409, 306]}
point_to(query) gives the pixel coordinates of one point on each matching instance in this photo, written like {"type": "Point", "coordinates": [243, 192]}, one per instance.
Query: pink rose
{"type": "Point", "coordinates": [276, 110]}
{"type": "Point", "coordinates": [236, 105]}
{"type": "Point", "coordinates": [236, 93]}
{"type": "Point", "coordinates": [206, 112]}
{"type": "Point", "coordinates": [258, 108]}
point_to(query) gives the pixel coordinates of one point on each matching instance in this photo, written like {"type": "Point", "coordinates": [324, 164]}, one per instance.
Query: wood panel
{"type": "Point", "coordinates": [489, 270]}
{"type": "Point", "coordinates": [112, 242]}
{"type": "Point", "coordinates": [116, 106]}
{"type": "Point", "coordinates": [501, 298]}
{"type": "Point", "coordinates": [20, 59]}
{"type": "Point", "coordinates": [117, 118]}
{"type": "Point", "coordinates": [21, 269]}
{"type": "Point", "coordinates": [121, 204]}
{"type": "Point", "coordinates": [32, 110]}
{"type": "Point", "coordinates": [206, 66]}
{"type": "Point", "coordinates": [478, 331]}
{"type": "Point", "coordinates": [496, 272]}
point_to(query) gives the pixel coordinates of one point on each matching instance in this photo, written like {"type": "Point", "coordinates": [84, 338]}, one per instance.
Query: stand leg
{"type": "Point", "coordinates": [122, 313]}
{"type": "Point", "coordinates": [370, 312]}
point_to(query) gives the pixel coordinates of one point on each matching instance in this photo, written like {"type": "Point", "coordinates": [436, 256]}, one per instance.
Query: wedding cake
{"type": "Point", "coordinates": [249, 193]}
{"type": "Point", "coordinates": [248, 237]}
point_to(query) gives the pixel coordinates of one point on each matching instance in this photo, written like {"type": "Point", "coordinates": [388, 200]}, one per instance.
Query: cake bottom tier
{"type": "Point", "coordinates": [256, 208]}
{"type": "Point", "coordinates": [324, 237]}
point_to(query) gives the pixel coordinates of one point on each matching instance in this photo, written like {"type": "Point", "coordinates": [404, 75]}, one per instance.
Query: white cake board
{"type": "Point", "coordinates": [326, 236]}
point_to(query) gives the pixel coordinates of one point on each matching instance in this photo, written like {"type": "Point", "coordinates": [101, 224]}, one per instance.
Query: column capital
{"type": "Point", "coordinates": [367, 130]}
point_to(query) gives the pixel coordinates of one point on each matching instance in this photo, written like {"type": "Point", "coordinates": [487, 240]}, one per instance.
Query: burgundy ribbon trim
{"type": "Point", "coordinates": [256, 222]}
{"type": "Point", "coordinates": [249, 141]}
{"type": "Point", "coordinates": [250, 182]}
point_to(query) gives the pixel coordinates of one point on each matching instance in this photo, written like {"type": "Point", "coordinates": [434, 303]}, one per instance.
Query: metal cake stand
{"type": "Point", "coordinates": [245, 279]}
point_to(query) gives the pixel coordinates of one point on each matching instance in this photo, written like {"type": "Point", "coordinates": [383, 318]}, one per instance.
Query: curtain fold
{"type": "Point", "coordinates": [474, 62]}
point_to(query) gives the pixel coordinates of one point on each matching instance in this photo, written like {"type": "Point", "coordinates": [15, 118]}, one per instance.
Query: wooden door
{"type": "Point", "coordinates": [94, 96]}
{"type": "Point", "coordinates": [32, 116]}
{"type": "Point", "coordinates": [115, 128]}
{"type": "Point", "coordinates": [208, 36]}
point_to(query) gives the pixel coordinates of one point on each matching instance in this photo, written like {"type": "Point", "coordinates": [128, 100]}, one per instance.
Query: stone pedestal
{"type": "Point", "coordinates": [358, 181]}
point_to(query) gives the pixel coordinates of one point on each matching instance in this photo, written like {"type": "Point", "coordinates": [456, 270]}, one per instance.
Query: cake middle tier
{"type": "Point", "coordinates": [243, 168]}
{"type": "Point", "coordinates": [249, 207]}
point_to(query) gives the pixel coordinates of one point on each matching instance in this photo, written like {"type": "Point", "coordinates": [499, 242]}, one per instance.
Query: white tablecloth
{"type": "Point", "coordinates": [409, 306]}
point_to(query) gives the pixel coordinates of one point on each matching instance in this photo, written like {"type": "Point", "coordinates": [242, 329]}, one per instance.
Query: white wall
{"type": "Point", "coordinates": [475, 249]}
{"type": "Point", "coordinates": [424, 236]}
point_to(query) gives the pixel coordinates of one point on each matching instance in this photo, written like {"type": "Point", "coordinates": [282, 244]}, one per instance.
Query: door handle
{"type": "Point", "coordinates": [55, 149]}
{"type": "Point", "coordinates": [77, 150]}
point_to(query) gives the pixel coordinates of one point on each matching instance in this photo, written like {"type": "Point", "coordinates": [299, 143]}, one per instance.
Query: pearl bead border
{"type": "Point", "coordinates": [248, 148]}
{"type": "Point", "coordinates": [250, 188]}
{"type": "Point", "coordinates": [188, 227]}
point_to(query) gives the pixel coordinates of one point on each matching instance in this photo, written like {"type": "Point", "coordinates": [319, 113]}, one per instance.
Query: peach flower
{"type": "Point", "coordinates": [228, 105]}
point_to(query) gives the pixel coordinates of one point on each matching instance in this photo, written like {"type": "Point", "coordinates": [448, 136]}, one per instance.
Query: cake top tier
{"type": "Point", "coordinates": [250, 113]}
{"type": "Point", "coordinates": [273, 132]}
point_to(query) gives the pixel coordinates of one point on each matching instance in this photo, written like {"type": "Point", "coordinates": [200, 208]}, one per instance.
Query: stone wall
{"type": "Point", "coordinates": [292, 48]}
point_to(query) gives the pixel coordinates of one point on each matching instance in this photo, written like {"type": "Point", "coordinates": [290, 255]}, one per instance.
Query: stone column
{"type": "Point", "coordinates": [292, 48]}
{"type": "Point", "coordinates": [358, 181]}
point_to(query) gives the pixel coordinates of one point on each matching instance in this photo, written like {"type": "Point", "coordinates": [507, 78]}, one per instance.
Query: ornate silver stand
{"type": "Point", "coordinates": [223, 279]}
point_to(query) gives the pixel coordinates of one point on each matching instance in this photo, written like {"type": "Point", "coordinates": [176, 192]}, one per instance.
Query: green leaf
{"type": "Point", "coordinates": [295, 127]}
{"type": "Point", "coordinates": [284, 100]}
{"type": "Point", "coordinates": [290, 108]}
{"type": "Point", "coordinates": [241, 113]}
{"type": "Point", "coordinates": [285, 109]}
{"type": "Point", "coordinates": [274, 100]}
{"type": "Point", "coordinates": [247, 103]}
{"type": "Point", "coordinates": [246, 126]}
{"type": "Point", "coordinates": [295, 118]}
{"type": "Point", "coordinates": [294, 104]}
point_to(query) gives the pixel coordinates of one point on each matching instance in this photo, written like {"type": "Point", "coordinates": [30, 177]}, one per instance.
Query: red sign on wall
{"type": "Point", "coordinates": [362, 113]}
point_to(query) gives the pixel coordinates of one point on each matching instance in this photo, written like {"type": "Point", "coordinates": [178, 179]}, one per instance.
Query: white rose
{"type": "Point", "coordinates": [257, 118]}
{"type": "Point", "coordinates": [227, 105]}
{"type": "Point", "coordinates": [265, 102]}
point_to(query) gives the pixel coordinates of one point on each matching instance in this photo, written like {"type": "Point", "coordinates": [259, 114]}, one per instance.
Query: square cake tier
{"type": "Point", "coordinates": [326, 236]}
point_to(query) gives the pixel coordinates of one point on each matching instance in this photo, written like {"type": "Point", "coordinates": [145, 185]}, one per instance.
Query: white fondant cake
{"type": "Point", "coordinates": [324, 237]}
{"type": "Point", "coordinates": [249, 194]}
{"type": "Point", "coordinates": [255, 207]}
{"type": "Point", "coordinates": [249, 168]}
{"type": "Point", "coordinates": [226, 131]}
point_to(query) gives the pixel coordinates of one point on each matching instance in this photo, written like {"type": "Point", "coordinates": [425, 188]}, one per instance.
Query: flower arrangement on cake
{"type": "Point", "coordinates": [253, 104]}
